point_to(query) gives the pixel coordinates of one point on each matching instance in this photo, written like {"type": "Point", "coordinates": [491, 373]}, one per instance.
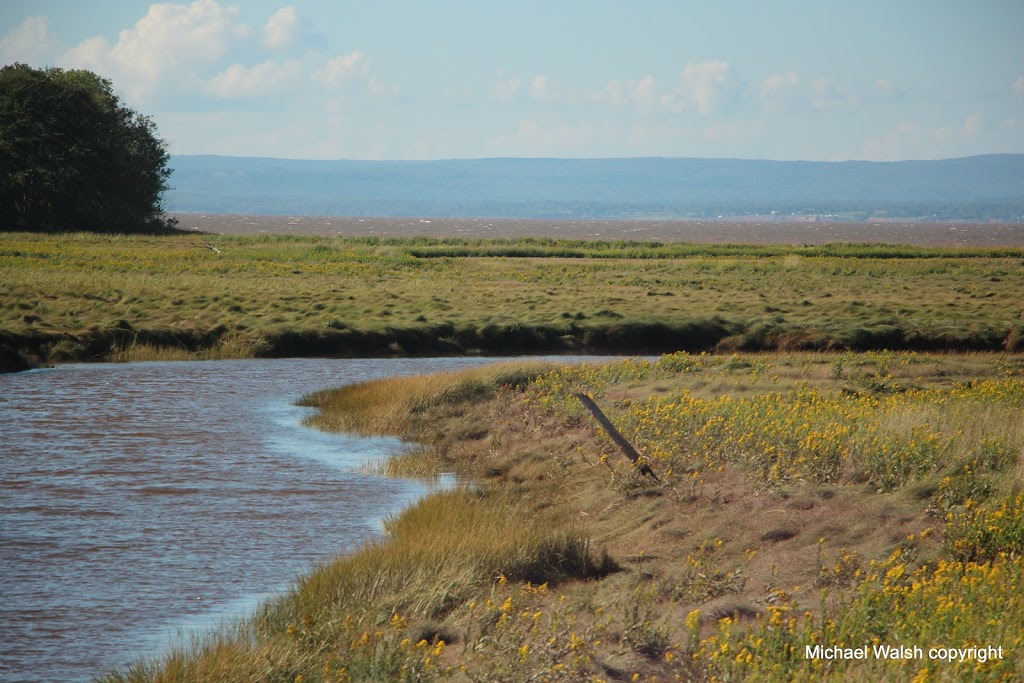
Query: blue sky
{"type": "Point", "coordinates": [879, 80]}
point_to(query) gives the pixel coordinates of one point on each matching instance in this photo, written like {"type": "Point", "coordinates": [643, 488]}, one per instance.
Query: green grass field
{"type": "Point", "coordinates": [94, 297]}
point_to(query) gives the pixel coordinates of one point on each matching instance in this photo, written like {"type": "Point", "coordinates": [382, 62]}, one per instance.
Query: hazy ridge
{"type": "Point", "coordinates": [987, 187]}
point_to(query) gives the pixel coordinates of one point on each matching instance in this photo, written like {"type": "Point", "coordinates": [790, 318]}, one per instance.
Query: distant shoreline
{"type": "Point", "coordinates": [757, 230]}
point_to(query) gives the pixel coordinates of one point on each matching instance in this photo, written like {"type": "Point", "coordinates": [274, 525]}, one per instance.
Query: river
{"type": "Point", "coordinates": [141, 502]}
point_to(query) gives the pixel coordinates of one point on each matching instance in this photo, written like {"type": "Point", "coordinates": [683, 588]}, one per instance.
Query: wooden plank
{"type": "Point", "coordinates": [620, 441]}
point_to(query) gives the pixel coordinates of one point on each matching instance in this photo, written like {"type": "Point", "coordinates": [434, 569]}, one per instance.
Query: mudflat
{"type": "Point", "coordinates": [754, 231]}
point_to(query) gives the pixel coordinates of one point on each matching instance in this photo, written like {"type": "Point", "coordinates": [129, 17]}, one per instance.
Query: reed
{"type": "Point", "coordinates": [361, 616]}
{"type": "Point", "coordinates": [391, 406]}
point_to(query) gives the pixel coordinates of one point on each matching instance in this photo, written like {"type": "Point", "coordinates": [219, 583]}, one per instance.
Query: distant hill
{"type": "Point", "coordinates": [975, 188]}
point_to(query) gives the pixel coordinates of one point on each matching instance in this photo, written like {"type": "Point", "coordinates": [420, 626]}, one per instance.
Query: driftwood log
{"type": "Point", "coordinates": [620, 441]}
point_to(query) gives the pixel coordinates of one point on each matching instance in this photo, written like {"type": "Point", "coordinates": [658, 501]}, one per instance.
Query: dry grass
{"type": "Point", "coordinates": [391, 406]}
{"type": "Point", "coordinates": [359, 617]}
{"type": "Point", "coordinates": [717, 572]}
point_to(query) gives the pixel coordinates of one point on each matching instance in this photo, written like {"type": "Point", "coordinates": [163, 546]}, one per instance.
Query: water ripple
{"type": "Point", "coordinates": [140, 499]}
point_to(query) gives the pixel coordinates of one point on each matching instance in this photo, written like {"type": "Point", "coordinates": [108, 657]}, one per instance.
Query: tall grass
{"type": "Point", "coordinates": [391, 405]}
{"type": "Point", "coordinates": [350, 619]}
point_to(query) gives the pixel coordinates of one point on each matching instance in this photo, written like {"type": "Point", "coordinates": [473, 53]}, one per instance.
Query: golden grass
{"type": "Point", "coordinates": [724, 570]}
{"type": "Point", "coordinates": [416, 462]}
{"type": "Point", "coordinates": [231, 347]}
{"type": "Point", "coordinates": [351, 619]}
{"type": "Point", "coordinates": [390, 406]}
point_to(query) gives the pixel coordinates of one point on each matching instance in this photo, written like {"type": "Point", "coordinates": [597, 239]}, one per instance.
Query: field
{"type": "Point", "coordinates": [843, 471]}
{"type": "Point", "coordinates": [869, 500]}
{"type": "Point", "coordinates": [88, 297]}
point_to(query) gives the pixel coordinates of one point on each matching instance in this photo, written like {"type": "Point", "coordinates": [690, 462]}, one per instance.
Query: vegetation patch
{"type": "Point", "coordinates": [80, 297]}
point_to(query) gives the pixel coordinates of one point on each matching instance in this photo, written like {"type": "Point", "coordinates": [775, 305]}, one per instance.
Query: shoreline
{"type": "Point", "coordinates": [713, 335]}
{"type": "Point", "coordinates": [657, 578]}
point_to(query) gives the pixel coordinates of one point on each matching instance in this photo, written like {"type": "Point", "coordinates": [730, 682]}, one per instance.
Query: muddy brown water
{"type": "Point", "coordinates": [143, 503]}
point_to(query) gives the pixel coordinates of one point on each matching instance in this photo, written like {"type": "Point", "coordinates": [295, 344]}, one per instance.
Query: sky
{"type": "Point", "coordinates": [331, 79]}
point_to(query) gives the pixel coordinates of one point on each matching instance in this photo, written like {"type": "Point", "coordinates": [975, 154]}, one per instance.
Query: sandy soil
{"type": "Point", "coordinates": [752, 231]}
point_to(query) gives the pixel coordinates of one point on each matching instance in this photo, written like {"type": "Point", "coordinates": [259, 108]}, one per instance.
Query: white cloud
{"type": "Point", "coordinates": [827, 95]}
{"type": "Point", "coordinates": [1018, 87]}
{"type": "Point", "coordinates": [645, 93]}
{"type": "Point", "coordinates": [973, 124]}
{"type": "Point", "coordinates": [30, 42]}
{"type": "Point", "coordinates": [883, 86]}
{"type": "Point", "coordinates": [885, 89]}
{"type": "Point", "coordinates": [702, 84]}
{"type": "Point", "coordinates": [268, 78]}
{"type": "Point", "coordinates": [671, 103]}
{"type": "Point", "coordinates": [535, 138]}
{"type": "Point", "coordinates": [163, 49]}
{"type": "Point", "coordinates": [280, 29]}
{"type": "Point", "coordinates": [950, 136]}
{"type": "Point", "coordinates": [342, 69]}
{"type": "Point", "coordinates": [507, 87]}
{"type": "Point", "coordinates": [789, 91]}
{"type": "Point", "coordinates": [614, 93]}
{"type": "Point", "coordinates": [777, 85]}
{"type": "Point", "coordinates": [779, 92]}
{"type": "Point", "coordinates": [911, 140]}
{"type": "Point", "coordinates": [539, 88]}
{"type": "Point", "coordinates": [642, 94]}
{"type": "Point", "coordinates": [894, 144]}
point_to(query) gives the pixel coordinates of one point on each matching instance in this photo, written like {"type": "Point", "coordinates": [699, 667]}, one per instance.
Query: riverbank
{"type": "Point", "coordinates": [140, 498]}
{"type": "Point", "coordinates": [800, 499]}
{"type": "Point", "coordinates": [12, 361]}
{"type": "Point", "coordinates": [85, 297]}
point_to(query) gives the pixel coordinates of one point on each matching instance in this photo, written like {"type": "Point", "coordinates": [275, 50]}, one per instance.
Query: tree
{"type": "Point", "coordinates": [73, 157]}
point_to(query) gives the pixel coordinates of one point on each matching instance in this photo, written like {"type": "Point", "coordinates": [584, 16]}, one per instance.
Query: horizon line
{"type": "Point", "coordinates": [624, 158]}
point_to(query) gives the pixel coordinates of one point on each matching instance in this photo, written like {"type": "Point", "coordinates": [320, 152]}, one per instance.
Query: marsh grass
{"type": "Point", "coordinates": [415, 462]}
{"type": "Point", "coordinates": [350, 618]}
{"type": "Point", "coordinates": [391, 406]}
{"type": "Point", "coordinates": [225, 348]}
{"type": "Point", "coordinates": [95, 297]}
{"type": "Point", "coordinates": [805, 498]}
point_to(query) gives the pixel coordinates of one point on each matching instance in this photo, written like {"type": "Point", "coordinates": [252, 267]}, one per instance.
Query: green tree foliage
{"type": "Point", "coordinates": [73, 157]}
